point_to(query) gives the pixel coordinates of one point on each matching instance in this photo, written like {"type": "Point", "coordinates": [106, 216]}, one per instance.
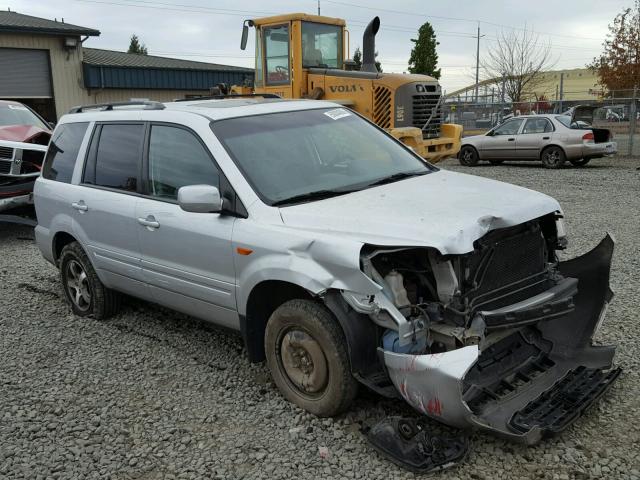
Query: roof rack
{"type": "Point", "coordinates": [232, 95]}
{"type": "Point", "coordinates": [103, 107]}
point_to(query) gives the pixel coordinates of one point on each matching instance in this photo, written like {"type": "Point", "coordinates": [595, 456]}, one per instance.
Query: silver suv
{"type": "Point", "coordinates": [340, 256]}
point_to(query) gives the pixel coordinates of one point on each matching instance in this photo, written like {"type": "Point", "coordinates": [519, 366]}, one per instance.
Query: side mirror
{"type": "Point", "coordinates": [200, 199]}
{"type": "Point", "coordinates": [245, 35]}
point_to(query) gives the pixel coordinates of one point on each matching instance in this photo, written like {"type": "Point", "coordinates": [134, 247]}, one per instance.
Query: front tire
{"type": "Point", "coordinates": [469, 156]}
{"type": "Point", "coordinates": [580, 162]}
{"type": "Point", "coordinates": [83, 289]}
{"type": "Point", "coordinates": [553, 157]}
{"type": "Point", "coordinates": [307, 355]}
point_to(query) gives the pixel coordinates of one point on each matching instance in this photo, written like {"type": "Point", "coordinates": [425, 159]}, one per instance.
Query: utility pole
{"type": "Point", "coordinates": [561, 90]}
{"type": "Point", "coordinates": [633, 115]}
{"type": "Point", "coordinates": [478, 61]}
{"type": "Point", "coordinates": [318, 7]}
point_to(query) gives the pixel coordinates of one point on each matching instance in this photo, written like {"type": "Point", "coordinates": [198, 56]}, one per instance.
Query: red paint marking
{"type": "Point", "coordinates": [403, 388]}
{"type": "Point", "coordinates": [434, 407]}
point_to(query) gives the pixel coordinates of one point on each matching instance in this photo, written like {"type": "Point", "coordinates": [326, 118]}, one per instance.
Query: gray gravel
{"type": "Point", "coordinates": [154, 394]}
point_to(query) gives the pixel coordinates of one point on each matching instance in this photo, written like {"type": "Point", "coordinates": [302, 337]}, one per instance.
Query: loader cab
{"type": "Point", "coordinates": [286, 46]}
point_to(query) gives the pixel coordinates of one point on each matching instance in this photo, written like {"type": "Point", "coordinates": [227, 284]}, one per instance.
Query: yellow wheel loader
{"type": "Point", "coordinates": [305, 56]}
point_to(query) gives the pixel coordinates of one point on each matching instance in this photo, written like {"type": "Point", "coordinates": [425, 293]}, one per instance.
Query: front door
{"type": "Point", "coordinates": [502, 141]}
{"type": "Point", "coordinates": [536, 134]}
{"type": "Point", "coordinates": [187, 257]}
{"type": "Point", "coordinates": [276, 41]}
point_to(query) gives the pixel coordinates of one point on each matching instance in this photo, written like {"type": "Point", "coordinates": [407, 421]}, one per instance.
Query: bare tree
{"type": "Point", "coordinates": [516, 62]}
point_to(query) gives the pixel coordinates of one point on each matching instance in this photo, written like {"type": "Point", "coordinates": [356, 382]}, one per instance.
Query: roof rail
{"type": "Point", "coordinates": [103, 107]}
{"type": "Point", "coordinates": [232, 95]}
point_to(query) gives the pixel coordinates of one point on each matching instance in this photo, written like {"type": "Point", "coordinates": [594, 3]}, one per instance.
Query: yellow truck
{"type": "Point", "coordinates": [306, 56]}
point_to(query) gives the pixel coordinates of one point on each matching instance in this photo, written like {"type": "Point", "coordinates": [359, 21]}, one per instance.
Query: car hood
{"type": "Point", "coordinates": [444, 210]}
{"type": "Point", "coordinates": [22, 133]}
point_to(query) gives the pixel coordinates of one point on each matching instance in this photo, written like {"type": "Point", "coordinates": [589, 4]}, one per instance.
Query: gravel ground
{"type": "Point", "coordinates": [154, 394]}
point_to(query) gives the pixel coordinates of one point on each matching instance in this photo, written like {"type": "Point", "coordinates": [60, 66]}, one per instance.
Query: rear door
{"type": "Point", "coordinates": [502, 142]}
{"type": "Point", "coordinates": [187, 257]}
{"type": "Point", "coordinates": [105, 205]}
{"type": "Point", "coordinates": [536, 134]}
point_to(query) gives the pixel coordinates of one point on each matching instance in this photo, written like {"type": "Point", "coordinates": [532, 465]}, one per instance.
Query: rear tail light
{"type": "Point", "coordinates": [588, 137]}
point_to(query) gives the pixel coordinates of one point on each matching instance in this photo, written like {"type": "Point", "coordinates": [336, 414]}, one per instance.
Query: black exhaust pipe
{"type": "Point", "coordinates": [369, 46]}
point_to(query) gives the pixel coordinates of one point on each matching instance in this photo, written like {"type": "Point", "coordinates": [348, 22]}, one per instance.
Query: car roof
{"type": "Point", "coordinates": [213, 109]}
{"type": "Point", "coordinates": [9, 102]}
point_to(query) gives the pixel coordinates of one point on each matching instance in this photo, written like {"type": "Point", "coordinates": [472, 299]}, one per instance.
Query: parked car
{"type": "Point", "coordinates": [553, 139]}
{"type": "Point", "coordinates": [24, 136]}
{"type": "Point", "coordinates": [340, 256]}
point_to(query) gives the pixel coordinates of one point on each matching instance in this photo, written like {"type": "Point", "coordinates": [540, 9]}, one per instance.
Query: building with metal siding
{"type": "Point", "coordinates": [56, 71]}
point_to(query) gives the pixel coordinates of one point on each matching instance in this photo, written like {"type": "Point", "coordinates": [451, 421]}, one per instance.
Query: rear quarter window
{"type": "Point", "coordinates": [63, 151]}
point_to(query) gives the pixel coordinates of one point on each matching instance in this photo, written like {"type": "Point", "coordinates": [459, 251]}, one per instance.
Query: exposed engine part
{"type": "Point", "coordinates": [395, 282]}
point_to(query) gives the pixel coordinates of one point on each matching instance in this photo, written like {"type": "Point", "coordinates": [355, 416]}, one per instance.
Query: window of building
{"type": "Point", "coordinates": [176, 159]}
{"type": "Point", "coordinates": [63, 151]}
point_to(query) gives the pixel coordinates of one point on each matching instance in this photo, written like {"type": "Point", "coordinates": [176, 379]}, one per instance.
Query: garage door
{"type": "Point", "coordinates": [25, 73]}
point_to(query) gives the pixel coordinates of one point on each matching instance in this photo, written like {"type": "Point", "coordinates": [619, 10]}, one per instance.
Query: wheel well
{"type": "Point", "coordinates": [552, 145]}
{"type": "Point", "coordinates": [61, 240]}
{"type": "Point", "coordinates": [470, 146]}
{"type": "Point", "coordinates": [263, 300]}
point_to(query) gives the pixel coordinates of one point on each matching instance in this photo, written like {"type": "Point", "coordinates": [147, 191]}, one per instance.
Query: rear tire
{"type": "Point", "coordinates": [83, 289]}
{"type": "Point", "coordinates": [580, 162]}
{"type": "Point", "coordinates": [553, 157]}
{"type": "Point", "coordinates": [468, 156]}
{"type": "Point", "coordinates": [307, 355]}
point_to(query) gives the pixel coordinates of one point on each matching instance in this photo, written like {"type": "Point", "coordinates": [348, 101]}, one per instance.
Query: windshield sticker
{"type": "Point", "coordinates": [338, 113]}
{"type": "Point", "coordinates": [17, 107]}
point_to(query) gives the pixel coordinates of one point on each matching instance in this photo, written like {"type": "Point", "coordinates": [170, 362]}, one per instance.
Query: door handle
{"type": "Point", "coordinates": [80, 206]}
{"type": "Point", "coordinates": [511, 139]}
{"type": "Point", "coordinates": [149, 222]}
{"type": "Point", "coordinates": [546, 138]}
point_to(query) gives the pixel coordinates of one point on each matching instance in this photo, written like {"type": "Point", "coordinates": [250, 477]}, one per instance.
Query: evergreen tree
{"type": "Point", "coordinates": [136, 47]}
{"type": "Point", "coordinates": [357, 57]}
{"type": "Point", "coordinates": [424, 58]}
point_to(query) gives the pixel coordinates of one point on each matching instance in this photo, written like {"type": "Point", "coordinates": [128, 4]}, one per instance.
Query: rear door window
{"type": "Point", "coordinates": [63, 151]}
{"type": "Point", "coordinates": [537, 125]}
{"type": "Point", "coordinates": [115, 156]}
{"type": "Point", "coordinates": [177, 158]}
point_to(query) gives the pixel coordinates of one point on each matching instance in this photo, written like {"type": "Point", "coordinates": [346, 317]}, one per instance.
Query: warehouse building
{"type": "Point", "coordinates": [46, 65]}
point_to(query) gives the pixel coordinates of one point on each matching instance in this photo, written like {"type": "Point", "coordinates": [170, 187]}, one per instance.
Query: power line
{"type": "Point", "coordinates": [414, 14]}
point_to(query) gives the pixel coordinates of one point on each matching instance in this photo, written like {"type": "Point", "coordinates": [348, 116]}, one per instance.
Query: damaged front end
{"type": "Point", "coordinates": [20, 165]}
{"type": "Point", "coordinates": [499, 338]}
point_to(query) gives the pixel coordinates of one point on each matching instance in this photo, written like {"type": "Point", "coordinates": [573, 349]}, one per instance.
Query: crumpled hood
{"type": "Point", "coordinates": [22, 133]}
{"type": "Point", "coordinates": [444, 210]}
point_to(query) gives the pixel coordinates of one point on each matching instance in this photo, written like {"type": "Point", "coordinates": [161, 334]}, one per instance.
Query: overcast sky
{"type": "Point", "coordinates": [210, 30]}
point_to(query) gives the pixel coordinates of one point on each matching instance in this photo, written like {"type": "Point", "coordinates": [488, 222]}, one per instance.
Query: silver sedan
{"type": "Point", "coordinates": [553, 139]}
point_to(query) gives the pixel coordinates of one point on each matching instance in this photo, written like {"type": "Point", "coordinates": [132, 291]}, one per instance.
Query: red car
{"type": "Point", "coordinates": [24, 137]}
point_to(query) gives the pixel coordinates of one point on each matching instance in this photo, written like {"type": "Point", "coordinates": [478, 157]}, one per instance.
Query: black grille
{"type": "Point", "coordinates": [6, 152]}
{"type": "Point", "coordinates": [5, 166]}
{"type": "Point", "coordinates": [423, 105]}
{"type": "Point", "coordinates": [507, 264]}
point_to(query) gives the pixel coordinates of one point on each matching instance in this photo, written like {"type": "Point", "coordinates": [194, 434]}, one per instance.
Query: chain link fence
{"type": "Point", "coordinates": [618, 111]}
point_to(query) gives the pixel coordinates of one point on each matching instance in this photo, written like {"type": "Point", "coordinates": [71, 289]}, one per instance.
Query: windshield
{"type": "Point", "coordinates": [321, 45]}
{"type": "Point", "coordinates": [329, 151]}
{"type": "Point", "coordinates": [11, 114]}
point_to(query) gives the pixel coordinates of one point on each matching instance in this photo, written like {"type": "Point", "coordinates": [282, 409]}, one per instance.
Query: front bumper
{"type": "Point", "coordinates": [532, 383]}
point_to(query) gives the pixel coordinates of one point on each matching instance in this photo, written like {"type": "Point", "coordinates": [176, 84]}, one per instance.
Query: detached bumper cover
{"type": "Point", "coordinates": [529, 385]}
